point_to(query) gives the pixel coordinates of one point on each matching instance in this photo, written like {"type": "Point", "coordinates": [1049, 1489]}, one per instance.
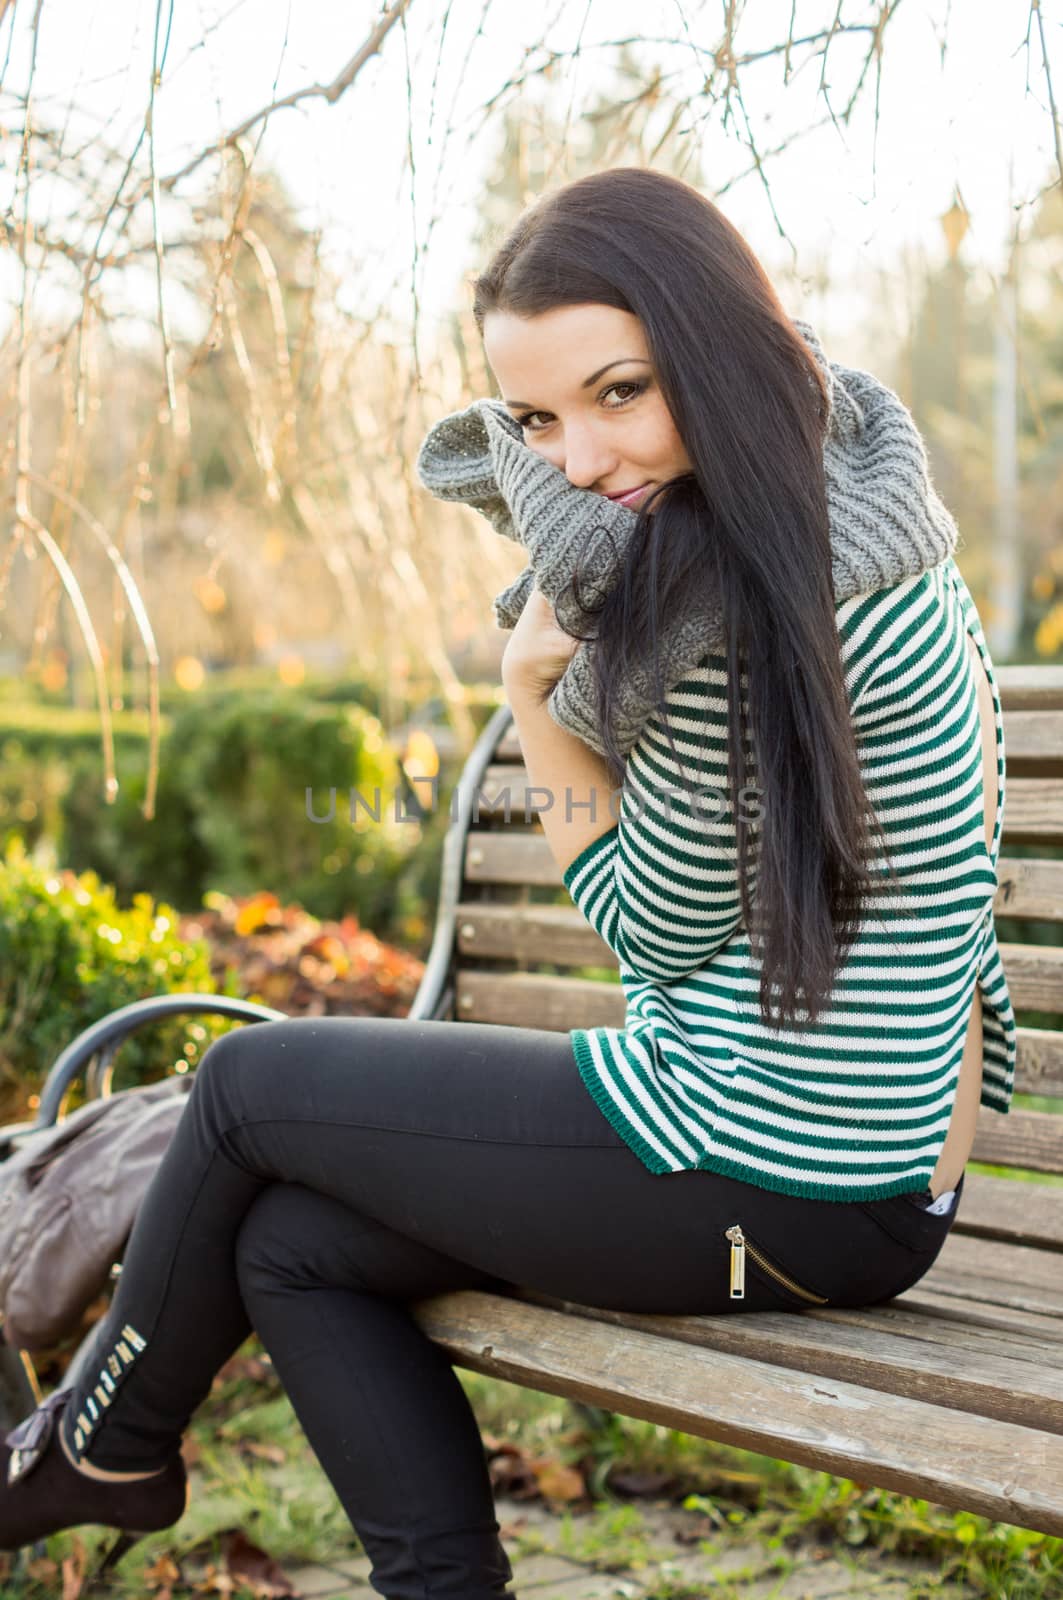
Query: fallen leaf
{"type": "Point", "coordinates": [260, 908]}
{"type": "Point", "coordinates": [511, 1475]}
{"type": "Point", "coordinates": [43, 1570]}
{"type": "Point", "coordinates": [254, 1368]}
{"type": "Point", "coordinates": [265, 1452]}
{"type": "Point", "coordinates": [558, 1482]}
{"type": "Point", "coordinates": [162, 1574]}
{"type": "Point", "coordinates": [74, 1571]}
{"type": "Point", "coordinates": [214, 1582]}
{"type": "Point", "coordinates": [255, 1569]}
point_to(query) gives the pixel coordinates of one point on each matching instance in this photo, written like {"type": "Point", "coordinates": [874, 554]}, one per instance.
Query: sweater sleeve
{"type": "Point", "coordinates": [660, 886]}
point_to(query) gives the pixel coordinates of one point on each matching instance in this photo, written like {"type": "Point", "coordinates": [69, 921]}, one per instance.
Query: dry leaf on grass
{"type": "Point", "coordinates": [256, 1369]}
{"type": "Point", "coordinates": [214, 1582]}
{"type": "Point", "coordinates": [161, 1576]}
{"type": "Point", "coordinates": [43, 1570]}
{"type": "Point", "coordinates": [264, 1452]}
{"type": "Point", "coordinates": [74, 1571]}
{"type": "Point", "coordinates": [247, 1567]}
{"type": "Point", "coordinates": [510, 1472]}
{"type": "Point", "coordinates": [558, 1482]}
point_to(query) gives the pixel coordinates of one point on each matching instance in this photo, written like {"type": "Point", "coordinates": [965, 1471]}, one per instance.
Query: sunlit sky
{"type": "Point", "coordinates": [968, 119]}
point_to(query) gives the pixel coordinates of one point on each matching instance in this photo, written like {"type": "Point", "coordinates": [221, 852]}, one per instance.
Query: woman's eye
{"type": "Point", "coordinates": [635, 388]}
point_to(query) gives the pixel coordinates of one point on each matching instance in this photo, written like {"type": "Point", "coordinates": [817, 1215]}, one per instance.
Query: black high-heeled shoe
{"type": "Point", "coordinates": [41, 1492]}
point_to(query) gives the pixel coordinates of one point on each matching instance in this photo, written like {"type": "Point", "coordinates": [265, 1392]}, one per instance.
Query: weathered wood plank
{"type": "Point", "coordinates": [976, 1345]}
{"type": "Point", "coordinates": [557, 934]}
{"type": "Point", "coordinates": [1035, 974]}
{"type": "Point", "coordinates": [1033, 812]}
{"type": "Point", "coordinates": [1032, 1140]}
{"type": "Point", "coordinates": [561, 935]}
{"type": "Point", "coordinates": [965, 1374]}
{"type": "Point", "coordinates": [1018, 1338]}
{"type": "Point", "coordinates": [527, 1000]}
{"type": "Point", "coordinates": [943, 1309]}
{"type": "Point", "coordinates": [1039, 1061]}
{"type": "Point", "coordinates": [983, 1270]}
{"type": "Point", "coordinates": [511, 855]}
{"type": "Point", "coordinates": [534, 1000]}
{"type": "Point", "coordinates": [1027, 888]}
{"type": "Point", "coordinates": [1002, 1470]}
{"type": "Point", "coordinates": [1029, 686]}
{"type": "Point", "coordinates": [1025, 686]}
{"type": "Point", "coordinates": [1010, 1209]}
{"type": "Point", "coordinates": [1033, 735]}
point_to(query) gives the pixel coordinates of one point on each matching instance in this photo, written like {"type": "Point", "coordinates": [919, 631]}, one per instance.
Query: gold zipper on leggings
{"type": "Point", "coordinates": [739, 1245]}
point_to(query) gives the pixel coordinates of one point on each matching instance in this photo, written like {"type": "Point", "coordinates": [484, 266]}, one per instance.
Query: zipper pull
{"type": "Point", "coordinates": [738, 1262]}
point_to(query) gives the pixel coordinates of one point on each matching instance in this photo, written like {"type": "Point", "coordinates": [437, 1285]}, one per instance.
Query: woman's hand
{"type": "Point", "coordinates": [538, 651]}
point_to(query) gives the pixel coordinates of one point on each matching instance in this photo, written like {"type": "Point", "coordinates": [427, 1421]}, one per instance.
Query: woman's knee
{"type": "Point", "coordinates": [250, 1047]}
{"type": "Point", "coordinates": [274, 1239]}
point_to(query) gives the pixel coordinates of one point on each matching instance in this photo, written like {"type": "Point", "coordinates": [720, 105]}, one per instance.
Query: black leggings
{"type": "Point", "coordinates": [324, 1171]}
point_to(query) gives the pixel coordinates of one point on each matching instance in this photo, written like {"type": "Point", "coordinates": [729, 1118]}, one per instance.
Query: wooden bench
{"type": "Point", "coordinates": [952, 1391]}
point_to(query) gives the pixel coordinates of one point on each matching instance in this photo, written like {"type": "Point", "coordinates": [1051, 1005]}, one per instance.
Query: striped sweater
{"type": "Point", "coordinates": [856, 1107]}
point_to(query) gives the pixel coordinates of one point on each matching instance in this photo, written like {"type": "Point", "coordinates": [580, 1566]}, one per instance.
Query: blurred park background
{"type": "Point", "coordinates": [235, 292]}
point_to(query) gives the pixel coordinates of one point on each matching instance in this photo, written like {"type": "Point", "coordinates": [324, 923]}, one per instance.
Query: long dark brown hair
{"type": "Point", "coordinates": [750, 521]}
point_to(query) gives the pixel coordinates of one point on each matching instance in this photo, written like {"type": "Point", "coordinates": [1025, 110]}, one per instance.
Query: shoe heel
{"type": "Point", "coordinates": [125, 1542]}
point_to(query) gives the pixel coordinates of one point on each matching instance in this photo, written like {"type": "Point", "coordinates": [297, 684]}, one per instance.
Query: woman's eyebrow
{"type": "Point", "coordinates": [619, 362]}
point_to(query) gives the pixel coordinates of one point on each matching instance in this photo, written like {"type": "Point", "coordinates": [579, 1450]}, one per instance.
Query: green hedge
{"type": "Point", "coordinates": [69, 955]}
{"type": "Point", "coordinates": [230, 805]}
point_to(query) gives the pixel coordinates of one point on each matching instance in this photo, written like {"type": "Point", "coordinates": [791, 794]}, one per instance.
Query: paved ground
{"type": "Point", "coordinates": [678, 1570]}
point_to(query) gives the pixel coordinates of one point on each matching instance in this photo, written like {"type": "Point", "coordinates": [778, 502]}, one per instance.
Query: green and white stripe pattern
{"type": "Point", "coordinates": [857, 1107]}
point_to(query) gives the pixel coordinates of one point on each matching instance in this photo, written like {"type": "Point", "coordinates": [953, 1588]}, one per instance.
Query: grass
{"type": "Point", "coordinates": [256, 1472]}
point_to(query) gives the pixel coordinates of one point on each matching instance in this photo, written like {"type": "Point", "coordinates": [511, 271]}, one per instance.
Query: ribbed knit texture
{"type": "Point", "coordinates": [887, 523]}
{"type": "Point", "coordinates": [858, 1106]}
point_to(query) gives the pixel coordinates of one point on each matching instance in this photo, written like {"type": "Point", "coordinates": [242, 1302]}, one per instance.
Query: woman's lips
{"type": "Point", "coordinates": [632, 497]}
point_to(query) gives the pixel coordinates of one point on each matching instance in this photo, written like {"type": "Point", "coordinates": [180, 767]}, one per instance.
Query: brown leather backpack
{"type": "Point", "coordinates": [68, 1198]}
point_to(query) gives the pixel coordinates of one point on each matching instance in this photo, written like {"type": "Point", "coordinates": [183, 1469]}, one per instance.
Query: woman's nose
{"type": "Point", "coordinates": [586, 463]}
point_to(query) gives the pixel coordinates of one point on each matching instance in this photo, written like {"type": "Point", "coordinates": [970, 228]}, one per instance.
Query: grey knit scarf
{"type": "Point", "coordinates": [886, 524]}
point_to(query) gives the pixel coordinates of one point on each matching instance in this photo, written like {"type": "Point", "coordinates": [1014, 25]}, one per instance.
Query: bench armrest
{"type": "Point", "coordinates": [106, 1034]}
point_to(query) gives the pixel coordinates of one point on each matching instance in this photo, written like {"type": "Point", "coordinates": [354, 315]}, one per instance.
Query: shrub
{"type": "Point", "coordinates": [231, 809]}
{"type": "Point", "coordinates": [69, 955]}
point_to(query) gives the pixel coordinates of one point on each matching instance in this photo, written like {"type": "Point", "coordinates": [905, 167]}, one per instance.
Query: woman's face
{"type": "Point", "coordinates": [607, 430]}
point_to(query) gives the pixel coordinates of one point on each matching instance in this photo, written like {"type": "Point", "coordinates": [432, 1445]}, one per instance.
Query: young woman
{"type": "Point", "coordinates": [711, 1157]}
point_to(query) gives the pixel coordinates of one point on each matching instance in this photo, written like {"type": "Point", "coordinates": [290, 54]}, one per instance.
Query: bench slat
{"type": "Point", "coordinates": [1027, 888]}
{"type": "Point", "coordinates": [1033, 812]}
{"type": "Point", "coordinates": [1029, 686]}
{"type": "Point", "coordinates": [1032, 1140]}
{"type": "Point", "coordinates": [562, 936]}
{"type": "Point", "coordinates": [1033, 735]}
{"type": "Point", "coordinates": [947, 1309]}
{"type": "Point", "coordinates": [1039, 1061]}
{"type": "Point", "coordinates": [1034, 973]}
{"type": "Point", "coordinates": [1010, 1209]}
{"type": "Point", "coordinates": [558, 934]}
{"type": "Point", "coordinates": [1004, 1274]}
{"type": "Point", "coordinates": [539, 1000]}
{"type": "Point", "coordinates": [1037, 1340]}
{"type": "Point", "coordinates": [964, 1373]}
{"type": "Point", "coordinates": [999, 1469]}
{"type": "Point", "coordinates": [529, 1000]}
